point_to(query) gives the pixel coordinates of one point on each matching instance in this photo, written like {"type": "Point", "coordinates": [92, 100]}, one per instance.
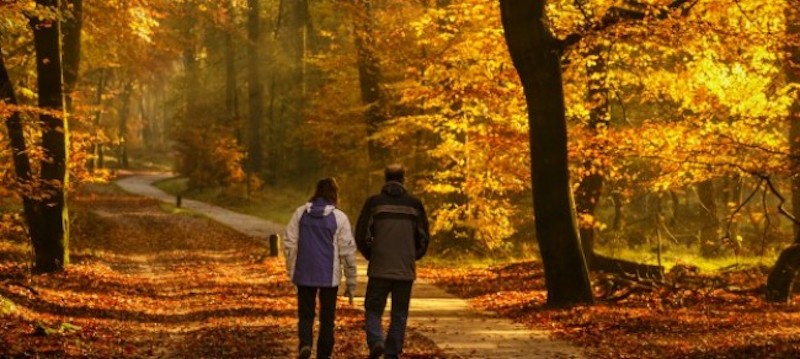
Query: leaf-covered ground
{"type": "Point", "coordinates": [146, 282]}
{"type": "Point", "coordinates": [662, 322]}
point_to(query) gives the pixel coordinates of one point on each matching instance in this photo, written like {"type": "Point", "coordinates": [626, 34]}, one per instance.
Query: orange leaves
{"type": "Point", "coordinates": [149, 284]}
{"type": "Point", "coordinates": [697, 322]}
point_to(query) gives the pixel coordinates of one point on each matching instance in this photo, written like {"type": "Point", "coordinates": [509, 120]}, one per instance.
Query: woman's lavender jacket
{"type": "Point", "coordinates": [318, 245]}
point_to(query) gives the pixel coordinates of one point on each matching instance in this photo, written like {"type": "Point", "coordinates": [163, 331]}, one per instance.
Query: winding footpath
{"type": "Point", "coordinates": [460, 331]}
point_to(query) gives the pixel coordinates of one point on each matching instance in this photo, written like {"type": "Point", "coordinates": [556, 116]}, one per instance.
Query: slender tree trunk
{"type": "Point", "coordinates": [709, 234]}
{"type": "Point", "coordinates": [537, 60]}
{"type": "Point", "coordinates": [124, 113]}
{"type": "Point", "coordinates": [792, 71]}
{"type": "Point", "coordinates": [590, 188]}
{"type": "Point", "coordinates": [732, 194]}
{"type": "Point", "coordinates": [97, 148]}
{"type": "Point", "coordinates": [782, 277]}
{"type": "Point", "coordinates": [72, 48]}
{"type": "Point", "coordinates": [369, 78]}
{"type": "Point", "coordinates": [676, 205]}
{"type": "Point", "coordinates": [300, 37]}
{"type": "Point", "coordinates": [51, 249]}
{"type": "Point", "coordinates": [288, 93]}
{"type": "Point", "coordinates": [146, 131]}
{"type": "Point", "coordinates": [231, 93]}
{"type": "Point", "coordinates": [19, 150]}
{"type": "Point", "coordinates": [191, 66]}
{"type": "Point", "coordinates": [618, 214]}
{"type": "Point", "coordinates": [255, 89]}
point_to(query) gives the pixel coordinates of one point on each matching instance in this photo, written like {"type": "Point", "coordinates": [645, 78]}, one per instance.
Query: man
{"type": "Point", "coordinates": [392, 234]}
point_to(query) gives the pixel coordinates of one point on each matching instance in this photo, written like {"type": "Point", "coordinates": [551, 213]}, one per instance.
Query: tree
{"type": "Point", "coordinates": [51, 244]}
{"type": "Point", "coordinates": [369, 78]}
{"type": "Point", "coordinates": [255, 89]}
{"type": "Point", "coordinates": [22, 163]}
{"type": "Point", "coordinates": [781, 279]}
{"type": "Point", "coordinates": [72, 26]}
{"type": "Point", "coordinates": [534, 51]}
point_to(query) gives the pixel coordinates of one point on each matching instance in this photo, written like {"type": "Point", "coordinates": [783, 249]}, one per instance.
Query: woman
{"type": "Point", "coordinates": [317, 245]}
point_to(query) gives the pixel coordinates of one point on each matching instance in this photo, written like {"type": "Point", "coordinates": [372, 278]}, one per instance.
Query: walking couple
{"type": "Point", "coordinates": [391, 233]}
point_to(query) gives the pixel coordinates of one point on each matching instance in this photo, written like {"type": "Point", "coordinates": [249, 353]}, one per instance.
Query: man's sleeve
{"type": "Point", "coordinates": [422, 238]}
{"type": "Point", "coordinates": [363, 231]}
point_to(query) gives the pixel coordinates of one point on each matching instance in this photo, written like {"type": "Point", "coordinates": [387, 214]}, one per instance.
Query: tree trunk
{"type": "Point", "coordinates": [590, 188]}
{"type": "Point", "coordinates": [19, 150]}
{"type": "Point", "coordinates": [676, 206]}
{"type": "Point", "coordinates": [72, 48]}
{"type": "Point", "coordinates": [709, 233]}
{"type": "Point", "coordinates": [255, 89]}
{"type": "Point", "coordinates": [97, 148]}
{"type": "Point", "coordinates": [231, 93]}
{"type": "Point", "coordinates": [369, 79]}
{"type": "Point", "coordinates": [537, 60]}
{"type": "Point", "coordinates": [780, 281]}
{"type": "Point", "coordinates": [619, 219]}
{"type": "Point", "coordinates": [191, 66]}
{"type": "Point", "coordinates": [124, 113]}
{"type": "Point", "coordinates": [792, 71]}
{"type": "Point", "coordinates": [51, 248]}
{"type": "Point", "coordinates": [783, 274]}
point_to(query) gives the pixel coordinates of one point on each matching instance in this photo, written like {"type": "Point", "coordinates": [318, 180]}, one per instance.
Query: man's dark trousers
{"type": "Point", "coordinates": [378, 289]}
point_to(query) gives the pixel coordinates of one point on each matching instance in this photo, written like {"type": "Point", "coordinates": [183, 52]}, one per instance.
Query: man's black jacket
{"type": "Point", "coordinates": [392, 233]}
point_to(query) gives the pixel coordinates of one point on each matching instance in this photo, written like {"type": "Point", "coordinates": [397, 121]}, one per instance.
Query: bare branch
{"type": "Point", "coordinates": [782, 200]}
{"type": "Point", "coordinates": [739, 208]}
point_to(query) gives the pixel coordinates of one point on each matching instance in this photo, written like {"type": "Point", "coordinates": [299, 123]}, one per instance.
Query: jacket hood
{"type": "Point", "coordinates": [394, 189]}
{"type": "Point", "coordinates": [319, 208]}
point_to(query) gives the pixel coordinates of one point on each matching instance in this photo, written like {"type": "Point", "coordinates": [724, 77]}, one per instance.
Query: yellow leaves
{"type": "Point", "coordinates": [586, 220]}
{"type": "Point", "coordinates": [142, 23]}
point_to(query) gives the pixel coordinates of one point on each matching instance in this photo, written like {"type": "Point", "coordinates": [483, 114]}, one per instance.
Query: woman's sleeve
{"type": "Point", "coordinates": [290, 241]}
{"type": "Point", "coordinates": [347, 248]}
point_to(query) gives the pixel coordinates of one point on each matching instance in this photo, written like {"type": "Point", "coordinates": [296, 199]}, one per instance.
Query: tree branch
{"type": "Point", "coordinates": [616, 15]}
{"type": "Point", "coordinates": [782, 200]}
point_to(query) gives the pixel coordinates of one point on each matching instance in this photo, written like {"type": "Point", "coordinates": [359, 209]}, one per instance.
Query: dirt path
{"type": "Point", "coordinates": [458, 330]}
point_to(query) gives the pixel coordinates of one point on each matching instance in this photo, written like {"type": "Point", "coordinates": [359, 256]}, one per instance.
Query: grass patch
{"type": "Point", "coordinates": [688, 256]}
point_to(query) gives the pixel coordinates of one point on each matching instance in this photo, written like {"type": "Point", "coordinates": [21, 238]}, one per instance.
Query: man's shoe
{"type": "Point", "coordinates": [376, 350]}
{"type": "Point", "coordinates": [305, 352]}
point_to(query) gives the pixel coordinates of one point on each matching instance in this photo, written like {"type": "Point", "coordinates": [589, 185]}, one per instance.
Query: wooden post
{"type": "Point", "coordinates": [178, 201]}
{"type": "Point", "coordinates": [273, 245]}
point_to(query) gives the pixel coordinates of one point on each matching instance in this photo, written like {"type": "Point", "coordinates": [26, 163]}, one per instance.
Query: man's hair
{"type": "Point", "coordinates": [328, 189]}
{"type": "Point", "coordinates": [394, 172]}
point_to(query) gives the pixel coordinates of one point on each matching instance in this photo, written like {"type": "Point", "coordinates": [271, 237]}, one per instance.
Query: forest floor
{"type": "Point", "coordinates": [147, 280]}
{"type": "Point", "coordinates": [150, 280]}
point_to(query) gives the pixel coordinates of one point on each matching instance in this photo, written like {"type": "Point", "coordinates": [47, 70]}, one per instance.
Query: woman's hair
{"type": "Point", "coordinates": [328, 189]}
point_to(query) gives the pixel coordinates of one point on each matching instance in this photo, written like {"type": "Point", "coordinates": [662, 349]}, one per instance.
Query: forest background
{"type": "Point", "coordinates": [681, 115]}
